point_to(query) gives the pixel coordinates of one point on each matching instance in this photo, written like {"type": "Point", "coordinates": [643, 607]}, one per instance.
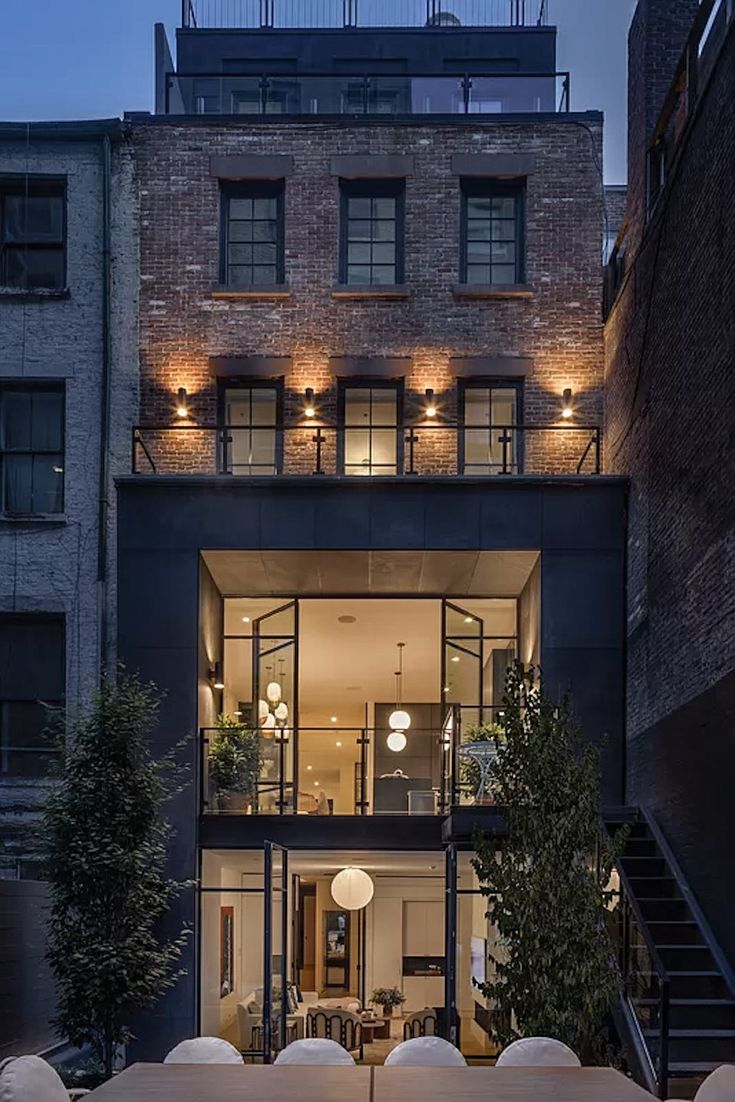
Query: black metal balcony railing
{"type": "Point", "coordinates": [392, 451]}
{"type": "Point", "coordinates": [329, 14]}
{"type": "Point", "coordinates": [286, 787]}
{"type": "Point", "coordinates": [382, 95]}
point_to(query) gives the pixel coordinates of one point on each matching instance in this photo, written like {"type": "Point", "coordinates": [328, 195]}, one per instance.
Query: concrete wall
{"type": "Point", "coordinates": [51, 565]}
{"type": "Point", "coordinates": [669, 425]}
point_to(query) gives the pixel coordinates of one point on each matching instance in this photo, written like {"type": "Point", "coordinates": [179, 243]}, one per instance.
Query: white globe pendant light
{"type": "Point", "coordinates": [352, 889]}
{"type": "Point", "coordinates": [396, 741]}
{"type": "Point", "coordinates": [399, 720]}
{"type": "Point", "coordinates": [281, 711]}
{"type": "Point", "coordinates": [269, 722]}
{"type": "Point", "coordinates": [273, 692]}
{"type": "Point", "coordinates": [263, 709]}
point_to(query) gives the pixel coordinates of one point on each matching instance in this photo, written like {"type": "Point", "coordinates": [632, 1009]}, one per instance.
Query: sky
{"type": "Point", "coordinates": [77, 59]}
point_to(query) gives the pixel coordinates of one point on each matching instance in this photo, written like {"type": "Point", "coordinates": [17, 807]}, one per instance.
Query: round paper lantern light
{"type": "Point", "coordinates": [281, 711]}
{"type": "Point", "coordinates": [352, 889]}
{"type": "Point", "coordinates": [399, 720]}
{"type": "Point", "coordinates": [396, 741]}
{"type": "Point", "coordinates": [273, 692]}
{"type": "Point", "coordinates": [269, 722]}
{"type": "Point", "coordinates": [263, 709]}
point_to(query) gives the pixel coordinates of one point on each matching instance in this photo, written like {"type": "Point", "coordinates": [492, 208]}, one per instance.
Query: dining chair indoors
{"type": "Point", "coordinates": [204, 1050]}
{"type": "Point", "coordinates": [313, 1050]}
{"type": "Point", "coordinates": [31, 1079]}
{"type": "Point", "coordinates": [536, 1052]}
{"type": "Point", "coordinates": [424, 1052]}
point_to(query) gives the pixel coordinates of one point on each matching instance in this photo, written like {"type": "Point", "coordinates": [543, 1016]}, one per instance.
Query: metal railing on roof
{"type": "Point", "coordinates": [330, 14]}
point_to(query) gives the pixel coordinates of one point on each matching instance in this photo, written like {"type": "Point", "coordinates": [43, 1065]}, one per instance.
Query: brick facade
{"type": "Point", "coordinates": [183, 323]}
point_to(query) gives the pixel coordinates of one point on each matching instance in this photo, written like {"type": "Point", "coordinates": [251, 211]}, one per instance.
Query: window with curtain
{"type": "Point", "coordinates": [370, 438]}
{"type": "Point", "coordinates": [371, 232]}
{"type": "Point", "coordinates": [31, 682]}
{"type": "Point", "coordinates": [252, 250]}
{"type": "Point", "coordinates": [489, 438]}
{"type": "Point", "coordinates": [251, 442]}
{"type": "Point", "coordinates": [492, 247]}
{"type": "Point", "coordinates": [31, 449]}
{"type": "Point", "coordinates": [32, 233]}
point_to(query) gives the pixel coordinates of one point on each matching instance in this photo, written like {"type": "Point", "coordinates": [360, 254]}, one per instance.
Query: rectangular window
{"type": "Point", "coordinates": [252, 249]}
{"type": "Point", "coordinates": [492, 247]}
{"type": "Point", "coordinates": [371, 232]}
{"type": "Point", "coordinates": [31, 449]}
{"type": "Point", "coordinates": [31, 680]}
{"type": "Point", "coordinates": [489, 437]}
{"type": "Point", "coordinates": [251, 439]}
{"type": "Point", "coordinates": [370, 417]}
{"type": "Point", "coordinates": [32, 233]}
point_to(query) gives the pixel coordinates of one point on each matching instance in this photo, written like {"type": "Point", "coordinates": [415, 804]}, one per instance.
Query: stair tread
{"type": "Point", "coordinates": [691, 1032]}
{"type": "Point", "coordinates": [689, 1002]}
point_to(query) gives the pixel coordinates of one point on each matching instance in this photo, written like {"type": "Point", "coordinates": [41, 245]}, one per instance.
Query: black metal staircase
{"type": "Point", "coordinates": [678, 1009]}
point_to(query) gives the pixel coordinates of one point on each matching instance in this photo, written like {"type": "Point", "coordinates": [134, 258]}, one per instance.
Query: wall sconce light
{"type": "Point", "coordinates": [182, 406]}
{"type": "Point", "coordinates": [430, 403]}
{"type": "Point", "coordinates": [215, 676]}
{"type": "Point", "coordinates": [566, 403]}
{"type": "Point", "coordinates": [309, 409]}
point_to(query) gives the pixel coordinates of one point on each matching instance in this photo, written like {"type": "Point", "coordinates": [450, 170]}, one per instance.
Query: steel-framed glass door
{"type": "Point", "coordinates": [462, 673]}
{"type": "Point", "coordinates": [275, 692]}
{"type": "Point", "coordinates": [275, 951]}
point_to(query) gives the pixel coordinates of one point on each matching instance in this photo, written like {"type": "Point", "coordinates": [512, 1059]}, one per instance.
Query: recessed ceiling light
{"type": "Point", "coordinates": [469, 619]}
{"type": "Point", "coordinates": [316, 784]}
{"type": "Point", "coordinates": [338, 744]}
{"type": "Point", "coordinates": [246, 619]}
{"type": "Point", "coordinates": [455, 658]}
{"type": "Point", "coordinates": [309, 768]}
{"type": "Point", "coordinates": [332, 719]}
{"type": "Point", "coordinates": [347, 619]}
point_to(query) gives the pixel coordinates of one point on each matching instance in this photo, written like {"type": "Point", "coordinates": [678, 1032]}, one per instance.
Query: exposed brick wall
{"type": "Point", "coordinates": [182, 324]}
{"type": "Point", "coordinates": [670, 394]}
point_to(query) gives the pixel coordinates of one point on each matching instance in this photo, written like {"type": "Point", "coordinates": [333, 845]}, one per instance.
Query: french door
{"type": "Point", "coordinates": [276, 989]}
{"type": "Point", "coordinates": [275, 704]}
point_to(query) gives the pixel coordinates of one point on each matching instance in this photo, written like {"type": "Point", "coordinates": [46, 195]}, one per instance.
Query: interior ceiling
{"type": "Point", "coordinates": [325, 863]}
{"type": "Point", "coordinates": [368, 573]}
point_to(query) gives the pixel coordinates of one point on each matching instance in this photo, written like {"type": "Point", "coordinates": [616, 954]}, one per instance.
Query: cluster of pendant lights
{"type": "Point", "coordinates": [273, 711]}
{"type": "Point", "coordinates": [399, 720]}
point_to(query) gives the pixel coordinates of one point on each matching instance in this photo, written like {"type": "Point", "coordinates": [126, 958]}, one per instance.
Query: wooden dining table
{"type": "Point", "coordinates": [505, 1085]}
{"type": "Point", "coordinates": [259, 1083]}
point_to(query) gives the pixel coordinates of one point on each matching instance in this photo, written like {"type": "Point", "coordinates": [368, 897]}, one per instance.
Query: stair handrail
{"type": "Point", "coordinates": [663, 985]}
{"type": "Point", "coordinates": [691, 900]}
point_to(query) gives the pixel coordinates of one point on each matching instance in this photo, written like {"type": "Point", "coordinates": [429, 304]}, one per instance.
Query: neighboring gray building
{"type": "Point", "coordinates": [67, 388]}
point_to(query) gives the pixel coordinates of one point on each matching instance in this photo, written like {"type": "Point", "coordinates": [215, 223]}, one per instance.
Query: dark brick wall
{"type": "Point", "coordinates": [559, 326]}
{"type": "Point", "coordinates": [670, 395]}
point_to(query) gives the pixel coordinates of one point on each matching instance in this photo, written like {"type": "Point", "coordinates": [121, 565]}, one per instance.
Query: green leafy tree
{"type": "Point", "coordinates": [104, 841]}
{"type": "Point", "coordinates": [546, 881]}
{"type": "Point", "coordinates": [235, 758]}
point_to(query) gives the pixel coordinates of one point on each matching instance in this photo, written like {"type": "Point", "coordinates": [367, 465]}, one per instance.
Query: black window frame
{"type": "Point", "coordinates": [366, 382]}
{"type": "Point", "coordinates": [252, 189]}
{"type": "Point", "coordinates": [243, 382]}
{"type": "Point", "coordinates": [393, 187]}
{"type": "Point", "coordinates": [490, 382]}
{"type": "Point", "coordinates": [45, 752]}
{"type": "Point", "coordinates": [41, 386]}
{"type": "Point", "coordinates": [25, 184]}
{"type": "Point", "coordinates": [492, 188]}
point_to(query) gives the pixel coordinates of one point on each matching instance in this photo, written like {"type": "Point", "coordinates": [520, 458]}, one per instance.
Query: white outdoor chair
{"type": "Point", "coordinates": [424, 1052]}
{"type": "Point", "coordinates": [536, 1052]}
{"type": "Point", "coordinates": [719, 1086]}
{"type": "Point", "coordinates": [313, 1050]}
{"type": "Point", "coordinates": [204, 1050]}
{"type": "Point", "coordinates": [31, 1079]}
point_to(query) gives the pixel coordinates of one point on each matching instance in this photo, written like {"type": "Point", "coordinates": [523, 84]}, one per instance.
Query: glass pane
{"type": "Point", "coordinates": [384, 450]}
{"type": "Point", "coordinates": [48, 428]}
{"type": "Point", "coordinates": [385, 275]}
{"type": "Point", "coordinates": [384, 207]}
{"type": "Point", "coordinates": [264, 277]}
{"type": "Point", "coordinates": [478, 273]}
{"type": "Point", "coordinates": [35, 268]}
{"type": "Point", "coordinates": [48, 483]}
{"type": "Point", "coordinates": [238, 674]}
{"type": "Point", "coordinates": [358, 206]}
{"type": "Point", "coordinates": [504, 405]}
{"type": "Point", "coordinates": [35, 218]}
{"type": "Point", "coordinates": [240, 254]}
{"type": "Point", "coordinates": [460, 621]}
{"type": "Point", "coordinates": [264, 231]}
{"type": "Point", "coordinates": [384, 254]}
{"type": "Point", "coordinates": [477, 406]}
{"type": "Point", "coordinates": [384, 231]}
{"type": "Point", "coordinates": [462, 675]}
{"type": "Point", "coordinates": [477, 448]}
{"type": "Point", "coordinates": [357, 406]}
{"type": "Point", "coordinates": [504, 231]}
{"type": "Point", "coordinates": [266, 254]}
{"type": "Point", "coordinates": [264, 404]}
{"type": "Point", "coordinates": [478, 206]}
{"type": "Point", "coordinates": [384, 402]}
{"type": "Point", "coordinates": [18, 483]}
{"type": "Point", "coordinates": [275, 689]}
{"type": "Point", "coordinates": [239, 276]}
{"type": "Point", "coordinates": [357, 447]}
{"type": "Point", "coordinates": [504, 273]}
{"type": "Point", "coordinates": [358, 274]}
{"type": "Point", "coordinates": [358, 231]}
{"type": "Point", "coordinates": [504, 206]}
{"type": "Point", "coordinates": [478, 252]}
{"type": "Point", "coordinates": [358, 253]}
{"type": "Point", "coordinates": [264, 208]}
{"type": "Point", "coordinates": [479, 230]}
{"type": "Point", "coordinates": [16, 420]}
{"type": "Point", "coordinates": [504, 253]}
{"type": "Point", "coordinates": [241, 208]}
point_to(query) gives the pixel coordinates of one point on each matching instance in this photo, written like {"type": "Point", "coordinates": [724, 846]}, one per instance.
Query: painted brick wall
{"type": "Point", "coordinates": [182, 323]}
{"type": "Point", "coordinates": [51, 566]}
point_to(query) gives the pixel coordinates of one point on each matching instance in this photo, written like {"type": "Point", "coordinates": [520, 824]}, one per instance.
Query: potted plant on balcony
{"type": "Point", "coordinates": [387, 998]}
{"type": "Point", "coordinates": [235, 760]}
{"type": "Point", "coordinates": [470, 769]}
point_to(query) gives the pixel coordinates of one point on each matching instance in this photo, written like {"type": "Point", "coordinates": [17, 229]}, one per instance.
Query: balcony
{"type": "Point", "coordinates": [392, 451]}
{"type": "Point", "coordinates": [459, 772]}
{"type": "Point", "coordinates": [333, 14]}
{"type": "Point", "coordinates": [380, 96]}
